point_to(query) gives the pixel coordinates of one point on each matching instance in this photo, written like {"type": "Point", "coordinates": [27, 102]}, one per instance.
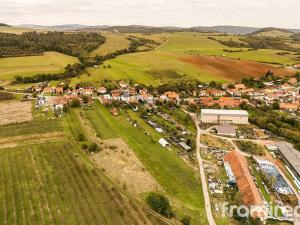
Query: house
{"type": "Point", "coordinates": [114, 111]}
{"type": "Point", "coordinates": [101, 90]}
{"type": "Point", "coordinates": [88, 91]}
{"type": "Point", "coordinates": [293, 106]}
{"type": "Point", "coordinates": [48, 90]}
{"type": "Point", "coordinates": [222, 116]}
{"type": "Point", "coordinates": [105, 99]}
{"type": "Point", "coordinates": [116, 95]}
{"type": "Point", "coordinates": [292, 81]}
{"type": "Point", "coordinates": [170, 96]}
{"type": "Point", "coordinates": [59, 90]}
{"type": "Point", "coordinates": [122, 84]}
{"type": "Point", "coordinates": [163, 142]}
{"type": "Point", "coordinates": [226, 130]}
{"type": "Point", "coordinates": [297, 66]}
{"type": "Point", "coordinates": [184, 146]}
{"type": "Point", "coordinates": [239, 86]}
{"type": "Point", "coordinates": [216, 93]}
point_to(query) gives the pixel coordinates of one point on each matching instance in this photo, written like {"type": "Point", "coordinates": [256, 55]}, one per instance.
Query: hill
{"type": "Point", "coordinates": [4, 25]}
{"type": "Point", "coordinates": [273, 32]}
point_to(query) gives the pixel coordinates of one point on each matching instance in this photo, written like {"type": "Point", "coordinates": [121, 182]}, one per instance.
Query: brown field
{"type": "Point", "coordinates": [232, 69]}
{"type": "Point", "coordinates": [15, 112]}
{"type": "Point", "coordinates": [122, 165]}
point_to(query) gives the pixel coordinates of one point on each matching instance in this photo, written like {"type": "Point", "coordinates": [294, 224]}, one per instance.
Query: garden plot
{"type": "Point", "coordinates": [15, 112]}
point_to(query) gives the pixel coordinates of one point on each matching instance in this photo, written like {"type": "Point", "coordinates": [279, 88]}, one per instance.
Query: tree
{"type": "Point", "coordinates": [160, 204]}
{"type": "Point", "coordinates": [276, 106]}
{"type": "Point", "coordinates": [186, 220]}
{"type": "Point", "coordinates": [85, 99]}
{"type": "Point", "coordinates": [93, 147]}
{"type": "Point", "coordinates": [75, 103]}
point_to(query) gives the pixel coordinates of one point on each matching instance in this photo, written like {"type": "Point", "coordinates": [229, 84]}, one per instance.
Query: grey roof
{"type": "Point", "coordinates": [225, 129]}
{"type": "Point", "coordinates": [290, 154]}
{"type": "Point", "coordinates": [224, 112]}
{"type": "Point", "coordinates": [184, 145]}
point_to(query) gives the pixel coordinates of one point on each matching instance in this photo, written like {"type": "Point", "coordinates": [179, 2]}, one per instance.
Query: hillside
{"type": "Point", "coordinates": [273, 32]}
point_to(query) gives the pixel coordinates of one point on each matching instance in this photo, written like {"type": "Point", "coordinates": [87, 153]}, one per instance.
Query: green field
{"type": "Point", "coordinates": [50, 62]}
{"type": "Point", "coordinates": [55, 184]}
{"type": "Point", "coordinates": [199, 44]}
{"type": "Point", "coordinates": [178, 180]}
{"type": "Point", "coordinates": [151, 68]}
{"type": "Point", "coordinates": [112, 43]}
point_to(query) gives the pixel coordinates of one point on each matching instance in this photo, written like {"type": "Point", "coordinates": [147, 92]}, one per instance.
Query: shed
{"type": "Point", "coordinates": [184, 146]}
{"type": "Point", "coordinates": [163, 142]}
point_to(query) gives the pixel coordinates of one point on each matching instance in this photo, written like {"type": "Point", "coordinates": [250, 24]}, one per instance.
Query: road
{"type": "Point", "coordinates": [209, 214]}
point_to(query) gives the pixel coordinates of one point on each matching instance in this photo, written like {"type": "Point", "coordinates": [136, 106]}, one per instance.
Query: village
{"type": "Point", "coordinates": [239, 157]}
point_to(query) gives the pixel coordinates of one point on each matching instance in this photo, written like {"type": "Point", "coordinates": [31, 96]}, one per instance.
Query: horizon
{"type": "Point", "coordinates": [158, 13]}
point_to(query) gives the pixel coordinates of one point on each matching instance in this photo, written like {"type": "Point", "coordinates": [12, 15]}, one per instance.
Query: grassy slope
{"type": "Point", "coordinates": [135, 67]}
{"type": "Point", "coordinates": [14, 30]}
{"type": "Point", "coordinates": [50, 62]}
{"type": "Point", "coordinates": [198, 44]}
{"type": "Point", "coordinates": [177, 179]}
{"type": "Point", "coordinates": [113, 43]}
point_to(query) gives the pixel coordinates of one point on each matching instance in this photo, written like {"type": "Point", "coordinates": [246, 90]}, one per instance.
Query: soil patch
{"type": "Point", "coordinates": [233, 69]}
{"type": "Point", "coordinates": [119, 161]}
{"type": "Point", "coordinates": [15, 112]}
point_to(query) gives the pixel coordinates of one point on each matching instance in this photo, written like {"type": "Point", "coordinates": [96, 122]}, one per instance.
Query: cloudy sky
{"type": "Point", "coordinates": [185, 13]}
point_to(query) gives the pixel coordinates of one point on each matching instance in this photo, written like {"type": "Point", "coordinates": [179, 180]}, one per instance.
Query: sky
{"type": "Point", "coordinates": [183, 13]}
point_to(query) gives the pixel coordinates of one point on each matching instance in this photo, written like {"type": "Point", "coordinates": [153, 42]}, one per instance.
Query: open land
{"type": "Point", "coordinates": [15, 112]}
{"type": "Point", "coordinates": [49, 62]}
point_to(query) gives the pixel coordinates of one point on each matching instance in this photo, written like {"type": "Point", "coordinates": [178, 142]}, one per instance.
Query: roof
{"type": "Point", "coordinates": [184, 146]}
{"type": "Point", "coordinates": [290, 154]}
{"type": "Point", "coordinates": [224, 112]}
{"type": "Point", "coordinates": [226, 129]}
{"type": "Point", "coordinates": [244, 179]}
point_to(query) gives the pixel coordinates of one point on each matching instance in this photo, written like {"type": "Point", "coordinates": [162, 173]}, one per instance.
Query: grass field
{"type": "Point", "coordinates": [154, 67]}
{"type": "Point", "coordinates": [197, 44]}
{"type": "Point", "coordinates": [113, 43]}
{"type": "Point", "coordinates": [14, 30]}
{"type": "Point", "coordinates": [176, 178]}
{"type": "Point", "coordinates": [50, 62]}
{"type": "Point", "coordinates": [55, 184]}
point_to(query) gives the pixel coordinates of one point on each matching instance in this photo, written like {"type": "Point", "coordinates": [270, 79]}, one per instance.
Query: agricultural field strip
{"type": "Point", "coordinates": [174, 175]}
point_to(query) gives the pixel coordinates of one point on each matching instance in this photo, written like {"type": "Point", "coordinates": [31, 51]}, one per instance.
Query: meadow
{"type": "Point", "coordinates": [14, 30]}
{"type": "Point", "coordinates": [179, 181]}
{"type": "Point", "coordinates": [49, 62]}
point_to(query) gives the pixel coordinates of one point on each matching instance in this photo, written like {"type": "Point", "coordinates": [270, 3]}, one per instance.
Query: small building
{"type": "Point", "coordinates": [184, 146]}
{"type": "Point", "coordinates": [163, 142]}
{"type": "Point", "coordinates": [226, 130]}
{"type": "Point", "coordinates": [159, 130]}
{"type": "Point", "coordinates": [222, 116]}
{"type": "Point", "coordinates": [271, 147]}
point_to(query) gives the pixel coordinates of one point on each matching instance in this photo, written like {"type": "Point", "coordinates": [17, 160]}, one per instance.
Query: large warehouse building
{"type": "Point", "coordinates": [222, 116]}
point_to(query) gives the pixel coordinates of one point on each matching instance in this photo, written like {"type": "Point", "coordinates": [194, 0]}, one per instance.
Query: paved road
{"type": "Point", "coordinates": [209, 214]}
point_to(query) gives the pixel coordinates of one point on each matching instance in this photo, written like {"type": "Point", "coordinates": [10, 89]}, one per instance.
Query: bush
{"type": "Point", "coordinates": [160, 204]}
{"type": "Point", "coordinates": [84, 146]}
{"type": "Point", "coordinates": [186, 220]}
{"type": "Point", "coordinates": [93, 147]}
{"type": "Point", "coordinates": [81, 137]}
{"type": "Point", "coordinates": [75, 103]}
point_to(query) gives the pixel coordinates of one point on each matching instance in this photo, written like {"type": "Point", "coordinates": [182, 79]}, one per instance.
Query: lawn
{"type": "Point", "coordinates": [178, 180]}
{"type": "Point", "coordinates": [112, 43]}
{"type": "Point", "coordinates": [54, 183]}
{"type": "Point", "coordinates": [50, 62]}
{"type": "Point", "coordinates": [199, 44]}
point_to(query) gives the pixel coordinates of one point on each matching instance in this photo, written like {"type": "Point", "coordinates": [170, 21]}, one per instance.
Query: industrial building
{"type": "Point", "coordinates": [245, 184]}
{"type": "Point", "coordinates": [290, 155]}
{"type": "Point", "coordinates": [223, 116]}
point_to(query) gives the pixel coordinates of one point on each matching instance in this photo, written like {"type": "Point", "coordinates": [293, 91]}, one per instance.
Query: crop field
{"type": "Point", "coordinates": [112, 43]}
{"type": "Point", "coordinates": [177, 179]}
{"type": "Point", "coordinates": [50, 62]}
{"type": "Point", "coordinates": [55, 184]}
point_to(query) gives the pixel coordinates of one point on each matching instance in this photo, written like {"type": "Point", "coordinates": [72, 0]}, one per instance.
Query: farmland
{"type": "Point", "coordinates": [13, 30]}
{"type": "Point", "coordinates": [55, 184]}
{"type": "Point", "coordinates": [112, 43]}
{"type": "Point", "coordinates": [177, 179]}
{"type": "Point", "coordinates": [49, 62]}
